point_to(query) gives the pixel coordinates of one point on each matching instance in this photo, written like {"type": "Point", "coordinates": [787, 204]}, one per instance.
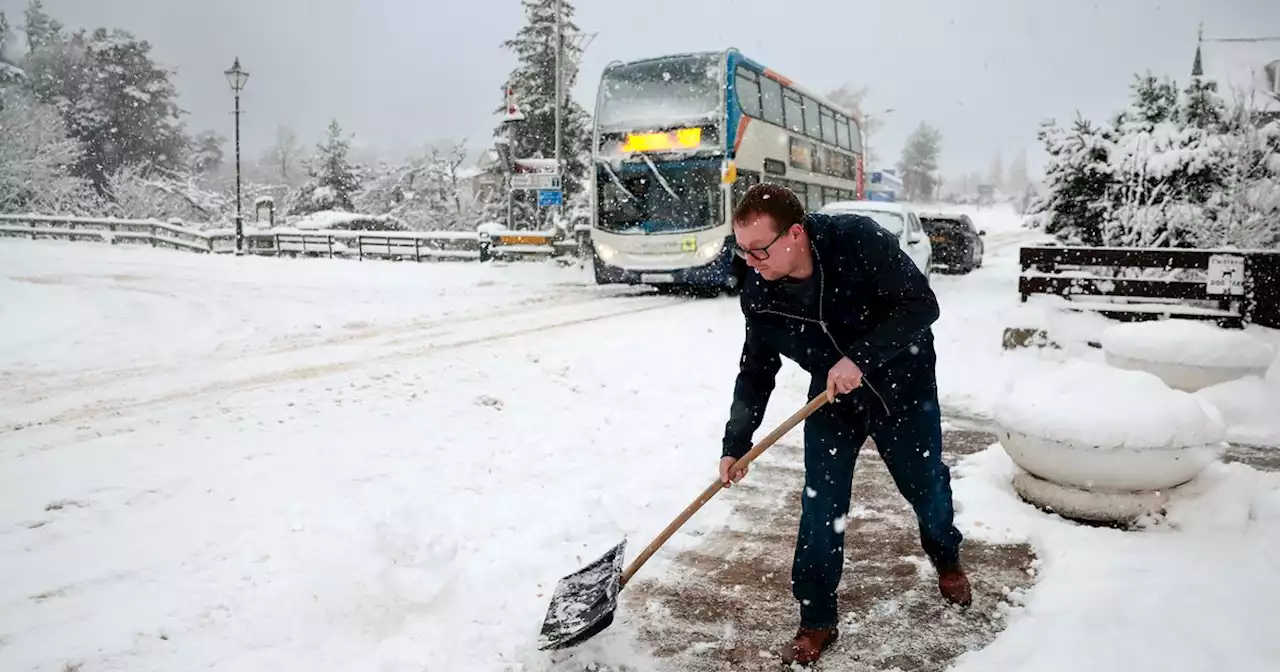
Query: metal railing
{"type": "Point", "coordinates": [398, 245]}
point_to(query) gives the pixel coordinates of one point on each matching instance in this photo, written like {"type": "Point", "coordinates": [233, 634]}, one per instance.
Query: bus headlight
{"type": "Point", "coordinates": [605, 252]}
{"type": "Point", "coordinates": [710, 250]}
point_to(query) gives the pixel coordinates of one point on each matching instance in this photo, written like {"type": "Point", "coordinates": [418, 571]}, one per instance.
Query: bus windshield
{"type": "Point", "coordinates": [679, 89]}
{"type": "Point", "coordinates": [637, 202]}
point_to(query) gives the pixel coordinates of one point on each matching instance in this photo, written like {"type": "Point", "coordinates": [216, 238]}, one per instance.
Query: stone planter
{"type": "Point", "coordinates": [1103, 444]}
{"type": "Point", "coordinates": [1187, 355]}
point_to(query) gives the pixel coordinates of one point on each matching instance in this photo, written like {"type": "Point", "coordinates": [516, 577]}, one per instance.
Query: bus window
{"type": "Point", "coordinates": [746, 180]}
{"type": "Point", "coordinates": [828, 127]}
{"type": "Point", "coordinates": [855, 136]}
{"type": "Point", "coordinates": [771, 100]}
{"type": "Point", "coordinates": [842, 132]}
{"type": "Point", "coordinates": [813, 198]}
{"type": "Point", "coordinates": [748, 92]}
{"type": "Point", "coordinates": [812, 118]}
{"type": "Point", "coordinates": [793, 109]}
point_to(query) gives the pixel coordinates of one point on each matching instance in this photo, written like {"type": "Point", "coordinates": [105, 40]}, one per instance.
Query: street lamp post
{"type": "Point", "coordinates": [237, 77]}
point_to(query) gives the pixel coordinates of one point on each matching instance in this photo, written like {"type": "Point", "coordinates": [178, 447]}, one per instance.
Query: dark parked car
{"type": "Point", "coordinates": [957, 243]}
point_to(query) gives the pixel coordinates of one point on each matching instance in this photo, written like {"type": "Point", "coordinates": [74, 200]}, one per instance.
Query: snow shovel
{"type": "Point", "coordinates": [584, 602]}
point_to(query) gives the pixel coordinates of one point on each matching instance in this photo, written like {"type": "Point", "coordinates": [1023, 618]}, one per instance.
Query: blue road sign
{"type": "Point", "coordinates": [548, 197]}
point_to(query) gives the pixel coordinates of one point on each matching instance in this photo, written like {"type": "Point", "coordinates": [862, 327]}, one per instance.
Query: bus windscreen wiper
{"type": "Point", "coordinates": [661, 180]}
{"type": "Point", "coordinates": [616, 180]}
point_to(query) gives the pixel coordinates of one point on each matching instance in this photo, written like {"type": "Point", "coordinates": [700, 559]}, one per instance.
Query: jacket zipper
{"type": "Point", "coordinates": [821, 322]}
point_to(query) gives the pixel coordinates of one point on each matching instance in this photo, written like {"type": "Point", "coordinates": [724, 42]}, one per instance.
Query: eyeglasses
{"type": "Point", "coordinates": [760, 253]}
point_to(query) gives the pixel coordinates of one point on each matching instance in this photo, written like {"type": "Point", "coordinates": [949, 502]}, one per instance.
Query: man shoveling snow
{"type": "Point", "coordinates": [837, 295]}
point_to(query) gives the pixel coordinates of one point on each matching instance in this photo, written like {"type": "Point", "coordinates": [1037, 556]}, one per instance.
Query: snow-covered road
{"type": "Point", "coordinates": [253, 464]}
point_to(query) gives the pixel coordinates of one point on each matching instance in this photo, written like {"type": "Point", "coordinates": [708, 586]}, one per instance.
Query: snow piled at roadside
{"type": "Point", "coordinates": [1192, 592]}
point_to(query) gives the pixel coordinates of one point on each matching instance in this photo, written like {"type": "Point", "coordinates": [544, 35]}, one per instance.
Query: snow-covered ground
{"type": "Point", "coordinates": [247, 463]}
{"type": "Point", "coordinates": [1195, 592]}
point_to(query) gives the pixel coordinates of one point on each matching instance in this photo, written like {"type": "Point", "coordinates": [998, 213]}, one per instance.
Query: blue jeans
{"type": "Point", "coordinates": [910, 443]}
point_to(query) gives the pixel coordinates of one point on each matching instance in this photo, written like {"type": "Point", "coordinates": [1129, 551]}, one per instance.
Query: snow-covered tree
{"type": "Point", "coordinates": [1168, 172]}
{"type": "Point", "coordinates": [1154, 101]}
{"type": "Point", "coordinates": [139, 192]}
{"type": "Point", "coordinates": [855, 101]}
{"type": "Point", "coordinates": [284, 156]}
{"type": "Point", "coordinates": [919, 164]}
{"type": "Point", "coordinates": [37, 157]}
{"type": "Point", "coordinates": [205, 155]}
{"type": "Point", "coordinates": [11, 72]}
{"type": "Point", "coordinates": [1019, 178]}
{"type": "Point", "coordinates": [1248, 207]}
{"type": "Point", "coordinates": [1168, 165]}
{"type": "Point", "coordinates": [333, 181]}
{"type": "Point", "coordinates": [40, 28]}
{"type": "Point", "coordinates": [533, 80]}
{"type": "Point", "coordinates": [1078, 178]}
{"type": "Point", "coordinates": [1202, 108]}
{"type": "Point", "coordinates": [995, 175]}
{"type": "Point", "coordinates": [424, 192]}
{"type": "Point", "coordinates": [113, 97]}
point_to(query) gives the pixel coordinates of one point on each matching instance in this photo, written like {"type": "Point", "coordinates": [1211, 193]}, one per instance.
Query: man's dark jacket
{"type": "Point", "coordinates": [875, 307]}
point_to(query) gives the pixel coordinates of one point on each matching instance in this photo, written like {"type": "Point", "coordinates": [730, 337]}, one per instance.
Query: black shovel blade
{"type": "Point", "coordinates": [583, 602]}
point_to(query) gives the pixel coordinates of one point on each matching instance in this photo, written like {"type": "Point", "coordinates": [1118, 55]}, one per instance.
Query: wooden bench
{"type": "Point", "coordinates": [1210, 285]}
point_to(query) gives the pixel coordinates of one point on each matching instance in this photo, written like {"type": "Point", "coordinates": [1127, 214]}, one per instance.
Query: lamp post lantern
{"type": "Point", "coordinates": [237, 77]}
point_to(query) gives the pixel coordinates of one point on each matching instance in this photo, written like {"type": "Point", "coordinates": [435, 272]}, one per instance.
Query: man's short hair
{"type": "Point", "coordinates": [770, 199]}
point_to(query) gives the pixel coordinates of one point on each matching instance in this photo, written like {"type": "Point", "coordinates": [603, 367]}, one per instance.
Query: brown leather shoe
{"type": "Point", "coordinates": [809, 644]}
{"type": "Point", "coordinates": [954, 586]}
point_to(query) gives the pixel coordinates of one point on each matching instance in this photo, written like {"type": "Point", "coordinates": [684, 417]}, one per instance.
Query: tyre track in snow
{"type": "Point", "coordinates": [319, 361]}
{"type": "Point", "coordinates": [294, 343]}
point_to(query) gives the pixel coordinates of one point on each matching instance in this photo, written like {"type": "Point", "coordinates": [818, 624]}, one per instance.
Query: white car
{"type": "Point", "coordinates": [896, 218]}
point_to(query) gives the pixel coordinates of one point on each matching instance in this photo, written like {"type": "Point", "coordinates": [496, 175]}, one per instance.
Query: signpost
{"type": "Point", "coordinates": [1225, 275]}
{"type": "Point", "coordinates": [538, 181]}
{"type": "Point", "coordinates": [550, 197]}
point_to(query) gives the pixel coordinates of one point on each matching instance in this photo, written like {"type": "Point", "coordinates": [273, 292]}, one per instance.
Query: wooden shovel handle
{"type": "Point", "coordinates": [795, 419]}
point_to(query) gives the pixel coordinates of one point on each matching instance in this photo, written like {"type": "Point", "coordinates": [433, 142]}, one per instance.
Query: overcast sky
{"type": "Point", "coordinates": [399, 73]}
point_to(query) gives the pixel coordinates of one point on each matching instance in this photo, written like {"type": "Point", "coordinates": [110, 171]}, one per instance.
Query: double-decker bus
{"type": "Point", "coordinates": [677, 141]}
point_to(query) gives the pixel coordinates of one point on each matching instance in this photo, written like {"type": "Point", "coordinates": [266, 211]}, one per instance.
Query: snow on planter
{"type": "Point", "coordinates": [1100, 443]}
{"type": "Point", "coordinates": [1187, 355]}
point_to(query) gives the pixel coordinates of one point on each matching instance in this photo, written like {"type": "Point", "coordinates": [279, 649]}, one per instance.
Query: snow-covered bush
{"type": "Point", "coordinates": [1169, 171]}
{"type": "Point", "coordinates": [137, 192]}
{"type": "Point", "coordinates": [1078, 177]}
{"type": "Point", "coordinates": [37, 159]}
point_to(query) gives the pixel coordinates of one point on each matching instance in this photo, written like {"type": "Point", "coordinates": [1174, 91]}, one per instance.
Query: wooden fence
{"type": "Point", "coordinates": [398, 245]}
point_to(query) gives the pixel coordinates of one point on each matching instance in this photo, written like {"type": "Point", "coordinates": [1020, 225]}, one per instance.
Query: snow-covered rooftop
{"type": "Point", "coordinates": [1244, 68]}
